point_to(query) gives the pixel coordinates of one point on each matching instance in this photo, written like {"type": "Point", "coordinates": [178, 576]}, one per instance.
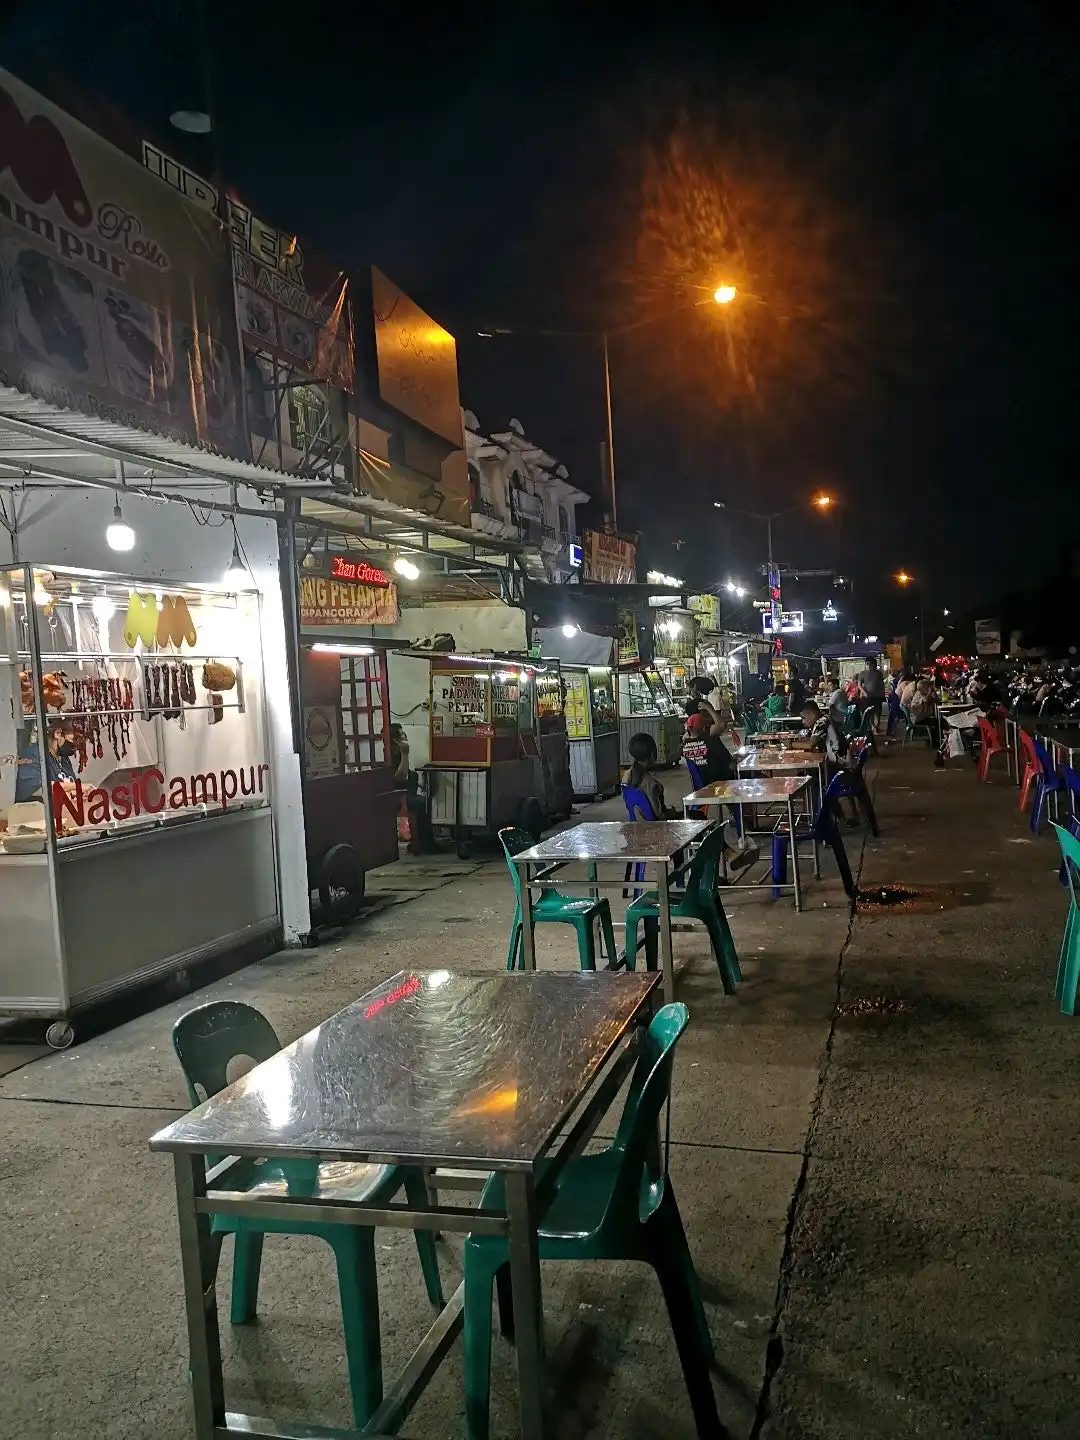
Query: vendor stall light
{"type": "Point", "coordinates": [330, 649]}
{"type": "Point", "coordinates": [407, 568]}
{"type": "Point", "coordinates": [656, 577]}
{"type": "Point", "coordinates": [104, 608]}
{"type": "Point", "coordinates": [569, 631]}
{"type": "Point", "coordinates": [237, 576]}
{"type": "Point", "coordinates": [523, 678]}
{"type": "Point", "coordinates": [670, 627]}
{"type": "Point", "coordinates": [118, 533]}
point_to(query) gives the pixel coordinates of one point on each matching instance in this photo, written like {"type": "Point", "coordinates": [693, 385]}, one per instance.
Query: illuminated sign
{"type": "Point", "coordinates": [829, 613]}
{"type": "Point", "coordinates": [344, 568]}
{"type": "Point", "coordinates": [790, 624]}
{"type": "Point", "coordinates": [575, 557]}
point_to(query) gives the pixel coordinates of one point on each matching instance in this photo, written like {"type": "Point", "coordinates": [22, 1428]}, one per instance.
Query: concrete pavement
{"type": "Point", "coordinates": [871, 1150]}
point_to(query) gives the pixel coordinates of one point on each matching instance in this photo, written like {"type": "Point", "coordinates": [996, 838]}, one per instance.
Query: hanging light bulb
{"type": "Point", "coordinates": [237, 576]}
{"type": "Point", "coordinates": [118, 533]}
{"type": "Point", "coordinates": [406, 568]}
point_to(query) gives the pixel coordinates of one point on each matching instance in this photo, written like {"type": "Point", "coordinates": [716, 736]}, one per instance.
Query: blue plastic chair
{"type": "Point", "coordinates": [207, 1040]}
{"type": "Point", "coordinates": [553, 907]}
{"type": "Point", "coordinates": [1068, 969]}
{"type": "Point", "coordinates": [826, 831]}
{"type": "Point", "coordinates": [853, 785]}
{"type": "Point", "coordinates": [1072, 785]}
{"type": "Point", "coordinates": [616, 1205]}
{"type": "Point", "coordinates": [1048, 783]}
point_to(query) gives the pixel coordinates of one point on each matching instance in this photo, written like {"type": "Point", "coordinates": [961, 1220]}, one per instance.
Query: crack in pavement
{"type": "Point", "coordinates": [774, 1350]}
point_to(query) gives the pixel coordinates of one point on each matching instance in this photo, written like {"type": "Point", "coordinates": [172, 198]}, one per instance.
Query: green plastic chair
{"type": "Point", "coordinates": [1068, 970]}
{"type": "Point", "coordinates": [617, 1205]}
{"type": "Point", "coordinates": [698, 901]}
{"type": "Point", "coordinates": [207, 1040]}
{"type": "Point", "coordinates": [551, 906]}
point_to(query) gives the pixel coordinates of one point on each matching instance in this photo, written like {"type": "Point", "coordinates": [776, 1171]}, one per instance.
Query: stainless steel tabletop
{"type": "Point", "coordinates": [748, 791]}
{"type": "Point", "coordinates": [474, 1071]}
{"type": "Point", "coordinates": [765, 759]}
{"type": "Point", "coordinates": [617, 840]}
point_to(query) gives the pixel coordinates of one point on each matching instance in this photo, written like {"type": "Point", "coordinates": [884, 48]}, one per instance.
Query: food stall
{"type": "Point", "coordinates": [592, 727]}
{"type": "Point", "coordinates": [136, 833]}
{"type": "Point", "coordinates": [647, 707]}
{"type": "Point", "coordinates": [497, 744]}
{"type": "Point", "coordinates": [351, 799]}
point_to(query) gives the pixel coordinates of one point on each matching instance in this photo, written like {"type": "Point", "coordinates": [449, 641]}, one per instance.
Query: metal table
{"type": "Point", "coordinates": [768, 760]}
{"type": "Point", "coordinates": [475, 1072]}
{"type": "Point", "coordinates": [655, 844]}
{"type": "Point", "coordinates": [1064, 746]}
{"type": "Point", "coordinates": [770, 791]}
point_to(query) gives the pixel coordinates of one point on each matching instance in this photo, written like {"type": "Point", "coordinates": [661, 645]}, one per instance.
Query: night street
{"type": "Point", "coordinates": [871, 1147]}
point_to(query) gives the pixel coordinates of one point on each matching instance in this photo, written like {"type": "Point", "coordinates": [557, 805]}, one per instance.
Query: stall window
{"type": "Point", "coordinates": [365, 711]}
{"type": "Point", "coordinates": [602, 693]}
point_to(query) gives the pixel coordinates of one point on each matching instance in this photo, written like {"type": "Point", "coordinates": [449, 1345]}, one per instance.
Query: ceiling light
{"type": "Point", "coordinates": [407, 568]}
{"type": "Point", "coordinates": [569, 630]}
{"type": "Point", "coordinates": [192, 122]}
{"type": "Point", "coordinates": [343, 649]}
{"type": "Point", "coordinates": [237, 576]}
{"type": "Point", "coordinates": [118, 533]}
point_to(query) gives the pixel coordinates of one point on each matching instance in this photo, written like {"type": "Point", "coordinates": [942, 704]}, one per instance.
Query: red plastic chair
{"type": "Point", "coordinates": [1033, 771]}
{"type": "Point", "coordinates": [992, 744]}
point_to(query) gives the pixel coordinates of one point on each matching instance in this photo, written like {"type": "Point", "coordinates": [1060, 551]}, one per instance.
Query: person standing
{"type": "Point", "coordinates": [872, 684]}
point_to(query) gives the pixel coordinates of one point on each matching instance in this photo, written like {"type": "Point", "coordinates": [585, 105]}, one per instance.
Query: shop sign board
{"type": "Point", "coordinates": [348, 567]}
{"type": "Point", "coordinates": [153, 793]}
{"type": "Point", "coordinates": [987, 637]}
{"type": "Point", "coordinates": [290, 301]}
{"type": "Point", "coordinates": [322, 737]}
{"type": "Point", "coordinates": [608, 558]}
{"type": "Point", "coordinates": [417, 361]}
{"type": "Point", "coordinates": [115, 298]}
{"type": "Point", "coordinates": [629, 651]}
{"type": "Point", "coordinates": [706, 608]}
{"type": "Point", "coordinates": [325, 601]}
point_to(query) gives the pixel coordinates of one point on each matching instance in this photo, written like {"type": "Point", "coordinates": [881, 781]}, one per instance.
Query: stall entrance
{"type": "Point", "coordinates": [365, 711]}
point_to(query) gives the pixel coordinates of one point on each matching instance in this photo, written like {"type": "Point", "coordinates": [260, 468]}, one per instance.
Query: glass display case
{"type": "Point", "coordinates": [135, 782]}
{"type": "Point", "coordinates": [592, 724]}
{"type": "Point", "coordinates": [647, 707]}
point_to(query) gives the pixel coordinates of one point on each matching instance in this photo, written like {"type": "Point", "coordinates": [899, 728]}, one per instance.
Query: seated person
{"type": "Point", "coordinates": [776, 703]}
{"type": "Point", "coordinates": [640, 776]}
{"type": "Point", "coordinates": [823, 733]}
{"type": "Point", "coordinates": [59, 766]}
{"type": "Point", "coordinates": [703, 743]}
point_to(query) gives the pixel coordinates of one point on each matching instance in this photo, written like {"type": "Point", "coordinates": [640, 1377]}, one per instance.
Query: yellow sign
{"type": "Point", "coordinates": [629, 650]}
{"type": "Point", "coordinates": [706, 609]}
{"type": "Point", "coordinates": [326, 602]}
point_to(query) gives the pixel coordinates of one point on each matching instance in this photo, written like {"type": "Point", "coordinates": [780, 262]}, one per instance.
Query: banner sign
{"type": "Point", "coordinates": [629, 652]}
{"type": "Point", "coordinates": [417, 361]}
{"type": "Point", "coordinates": [987, 637]}
{"type": "Point", "coordinates": [324, 601]}
{"type": "Point", "coordinates": [707, 610]}
{"type": "Point", "coordinates": [608, 558]}
{"type": "Point", "coordinates": [289, 301]}
{"type": "Point", "coordinates": [347, 567]}
{"type": "Point", "coordinates": [115, 298]}
{"type": "Point", "coordinates": [153, 793]}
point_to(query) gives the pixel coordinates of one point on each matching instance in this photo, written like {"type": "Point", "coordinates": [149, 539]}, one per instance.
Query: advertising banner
{"type": "Point", "coordinates": [706, 608]}
{"type": "Point", "coordinates": [629, 649]}
{"type": "Point", "coordinates": [608, 558]}
{"type": "Point", "coordinates": [417, 361]}
{"type": "Point", "coordinates": [328, 602]}
{"type": "Point", "coordinates": [289, 301]}
{"type": "Point", "coordinates": [987, 637]}
{"type": "Point", "coordinates": [115, 298]}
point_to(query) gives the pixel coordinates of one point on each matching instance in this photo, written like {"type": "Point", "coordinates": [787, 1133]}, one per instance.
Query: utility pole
{"type": "Point", "coordinates": [610, 434]}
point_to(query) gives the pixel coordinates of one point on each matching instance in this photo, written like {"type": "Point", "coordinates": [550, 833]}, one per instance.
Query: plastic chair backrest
{"type": "Point", "coordinates": [1048, 770]}
{"type": "Point", "coordinates": [705, 866]}
{"type": "Point", "coordinates": [208, 1039]}
{"type": "Point", "coordinates": [695, 774]}
{"type": "Point", "coordinates": [1070, 857]}
{"type": "Point", "coordinates": [988, 735]}
{"type": "Point", "coordinates": [1072, 779]}
{"type": "Point", "coordinates": [636, 800]}
{"type": "Point", "coordinates": [1029, 749]}
{"type": "Point", "coordinates": [513, 839]}
{"type": "Point", "coordinates": [638, 1185]}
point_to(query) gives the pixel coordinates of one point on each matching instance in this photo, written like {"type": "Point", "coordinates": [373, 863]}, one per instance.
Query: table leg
{"type": "Point", "coordinates": [199, 1251]}
{"type": "Point", "coordinates": [794, 855]}
{"type": "Point", "coordinates": [528, 937]}
{"type": "Point", "coordinates": [528, 1304]}
{"type": "Point", "coordinates": [664, 897]}
{"type": "Point", "coordinates": [811, 808]}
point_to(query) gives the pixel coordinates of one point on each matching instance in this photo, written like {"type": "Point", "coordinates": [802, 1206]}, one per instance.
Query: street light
{"type": "Point", "coordinates": [724, 294]}
{"type": "Point", "coordinates": [904, 579]}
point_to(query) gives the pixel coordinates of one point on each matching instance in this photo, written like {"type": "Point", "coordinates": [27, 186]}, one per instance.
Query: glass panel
{"type": "Point", "coordinates": [602, 696]}
{"type": "Point", "coordinates": [22, 753]}
{"type": "Point", "coordinates": [550, 700]}
{"type": "Point", "coordinates": [153, 700]}
{"type": "Point", "coordinates": [664, 702]}
{"type": "Point", "coordinates": [636, 696]}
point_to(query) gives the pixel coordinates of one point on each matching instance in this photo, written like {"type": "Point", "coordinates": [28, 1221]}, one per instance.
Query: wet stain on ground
{"type": "Point", "coordinates": [919, 900]}
{"type": "Point", "coordinates": [873, 1007]}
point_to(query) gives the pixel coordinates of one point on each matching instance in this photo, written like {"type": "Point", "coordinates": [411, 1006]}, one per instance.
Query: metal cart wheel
{"type": "Point", "coordinates": [341, 883]}
{"type": "Point", "coordinates": [59, 1035]}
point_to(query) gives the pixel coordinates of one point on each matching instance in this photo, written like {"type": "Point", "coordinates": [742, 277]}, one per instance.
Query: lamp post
{"type": "Point", "coordinates": [722, 295]}
{"type": "Point", "coordinates": [776, 608]}
{"type": "Point", "coordinates": [904, 580]}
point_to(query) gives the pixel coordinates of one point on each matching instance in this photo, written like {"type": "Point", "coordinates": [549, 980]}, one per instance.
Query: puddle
{"type": "Point", "coordinates": [919, 900]}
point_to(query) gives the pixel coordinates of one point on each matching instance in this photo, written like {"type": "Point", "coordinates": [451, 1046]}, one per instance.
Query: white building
{"type": "Point", "coordinates": [520, 492]}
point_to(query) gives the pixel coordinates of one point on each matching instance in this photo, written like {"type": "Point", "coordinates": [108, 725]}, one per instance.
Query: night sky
{"type": "Point", "coordinates": [894, 187]}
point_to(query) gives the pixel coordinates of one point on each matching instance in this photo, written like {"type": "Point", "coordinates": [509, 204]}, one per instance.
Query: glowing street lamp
{"type": "Point", "coordinates": [724, 294]}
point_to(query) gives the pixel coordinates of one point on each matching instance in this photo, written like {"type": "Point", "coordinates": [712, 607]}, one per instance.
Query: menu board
{"type": "Point", "coordinates": [577, 705]}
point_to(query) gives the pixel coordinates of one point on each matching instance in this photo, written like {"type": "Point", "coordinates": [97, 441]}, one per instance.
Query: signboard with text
{"type": "Point", "coordinates": [325, 601]}
{"type": "Point", "coordinates": [115, 296]}
{"type": "Point", "coordinates": [417, 361]}
{"type": "Point", "coordinates": [987, 637]}
{"type": "Point", "coordinates": [608, 558]}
